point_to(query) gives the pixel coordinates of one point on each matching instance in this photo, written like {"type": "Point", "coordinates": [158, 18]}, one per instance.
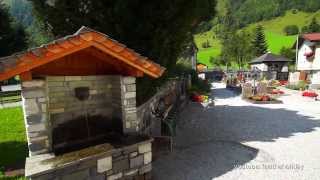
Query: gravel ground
{"type": "Point", "coordinates": [238, 140]}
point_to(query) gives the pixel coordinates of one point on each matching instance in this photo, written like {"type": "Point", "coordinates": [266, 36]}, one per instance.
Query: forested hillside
{"type": "Point", "coordinates": [21, 11]}
{"type": "Point", "coordinates": [250, 11]}
{"type": "Point", "coordinates": [275, 16]}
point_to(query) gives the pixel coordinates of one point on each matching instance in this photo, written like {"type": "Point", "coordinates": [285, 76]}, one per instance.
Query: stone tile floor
{"type": "Point", "coordinates": [238, 140]}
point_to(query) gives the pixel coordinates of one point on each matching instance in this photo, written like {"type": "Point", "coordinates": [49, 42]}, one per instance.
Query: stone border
{"type": "Point", "coordinates": [129, 161]}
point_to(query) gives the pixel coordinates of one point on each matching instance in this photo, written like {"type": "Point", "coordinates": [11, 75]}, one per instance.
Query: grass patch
{"type": "Point", "coordinates": [13, 145]}
{"type": "Point", "coordinates": [277, 41]}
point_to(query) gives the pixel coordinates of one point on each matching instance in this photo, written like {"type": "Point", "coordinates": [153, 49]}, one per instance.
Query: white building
{"type": "Point", "coordinates": [308, 58]}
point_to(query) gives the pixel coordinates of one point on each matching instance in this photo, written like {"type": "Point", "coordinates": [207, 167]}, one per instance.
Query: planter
{"type": "Point", "coordinates": [274, 101]}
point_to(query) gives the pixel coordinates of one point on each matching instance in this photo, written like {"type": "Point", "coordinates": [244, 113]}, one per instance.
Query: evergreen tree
{"type": "Point", "coordinates": [12, 35]}
{"type": "Point", "coordinates": [259, 44]}
{"type": "Point", "coordinates": [314, 26]}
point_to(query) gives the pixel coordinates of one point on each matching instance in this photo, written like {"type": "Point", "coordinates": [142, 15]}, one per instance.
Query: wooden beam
{"type": "Point", "coordinates": [26, 76]}
{"type": "Point", "coordinates": [116, 55]}
{"type": "Point", "coordinates": [40, 61]}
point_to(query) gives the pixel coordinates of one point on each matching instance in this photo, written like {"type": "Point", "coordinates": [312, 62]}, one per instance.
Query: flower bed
{"type": "Point", "coordinates": [277, 92]}
{"type": "Point", "coordinates": [310, 94]}
{"type": "Point", "coordinates": [199, 98]}
{"type": "Point", "coordinates": [264, 99]}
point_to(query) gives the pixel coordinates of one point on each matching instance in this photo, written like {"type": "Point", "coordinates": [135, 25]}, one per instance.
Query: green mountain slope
{"type": "Point", "coordinates": [273, 29]}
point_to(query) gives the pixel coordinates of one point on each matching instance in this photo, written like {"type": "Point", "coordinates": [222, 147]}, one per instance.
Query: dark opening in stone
{"type": "Point", "coordinates": [85, 132]}
{"type": "Point", "coordinates": [82, 93]}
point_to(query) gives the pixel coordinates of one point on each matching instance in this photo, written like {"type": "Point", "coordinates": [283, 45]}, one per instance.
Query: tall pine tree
{"type": "Point", "coordinates": [314, 26]}
{"type": "Point", "coordinates": [259, 44]}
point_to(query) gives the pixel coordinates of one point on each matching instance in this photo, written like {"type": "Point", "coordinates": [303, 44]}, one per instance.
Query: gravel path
{"type": "Point", "coordinates": [238, 140]}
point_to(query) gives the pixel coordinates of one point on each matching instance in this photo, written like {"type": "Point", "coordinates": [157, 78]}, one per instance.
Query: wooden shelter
{"type": "Point", "coordinates": [271, 66]}
{"type": "Point", "coordinates": [79, 94]}
{"type": "Point", "coordinates": [87, 52]}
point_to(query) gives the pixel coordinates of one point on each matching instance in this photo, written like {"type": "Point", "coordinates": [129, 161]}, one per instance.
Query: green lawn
{"type": "Point", "coordinates": [13, 145]}
{"type": "Point", "coordinates": [273, 29]}
{"type": "Point", "coordinates": [277, 41]}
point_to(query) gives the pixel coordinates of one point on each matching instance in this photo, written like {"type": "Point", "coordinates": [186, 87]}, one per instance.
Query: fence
{"type": "Point", "coordinates": [10, 97]}
{"type": "Point", "coordinates": [158, 113]}
{"type": "Point", "coordinates": [10, 94]}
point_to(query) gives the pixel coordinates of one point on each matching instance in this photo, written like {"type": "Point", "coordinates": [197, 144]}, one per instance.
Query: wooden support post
{"type": "Point", "coordinates": [26, 76]}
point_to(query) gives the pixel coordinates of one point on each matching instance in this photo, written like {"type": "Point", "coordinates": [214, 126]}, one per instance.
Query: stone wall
{"type": "Point", "coordinates": [129, 109]}
{"type": "Point", "coordinates": [51, 101]}
{"type": "Point", "coordinates": [64, 106]}
{"type": "Point", "coordinates": [34, 101]}
{"type": "Point", "coordinates": [130, 162]}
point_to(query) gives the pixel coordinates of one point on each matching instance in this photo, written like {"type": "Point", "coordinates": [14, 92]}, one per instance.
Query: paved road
{"type": "Point", "coordinates": [238, 140]}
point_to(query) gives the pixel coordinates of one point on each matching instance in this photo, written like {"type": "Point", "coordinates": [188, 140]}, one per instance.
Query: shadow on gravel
{"type": "Point", "coordinates": [250, 123]}
{"type": "Point", "coordinates": [202, 161]}
{"type": "Point", "coordinates": [221, 94]}
{"type": "Point", "coordinates": [208, 142]}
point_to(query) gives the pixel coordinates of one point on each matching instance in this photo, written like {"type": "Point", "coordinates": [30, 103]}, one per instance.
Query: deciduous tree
{"type": "Point", "coordinates": [157, 29]}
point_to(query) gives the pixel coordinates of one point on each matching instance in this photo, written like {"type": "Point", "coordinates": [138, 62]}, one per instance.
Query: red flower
{"type": "Point", "coordinates": [309, 54]}
{"type": "Point", "coordinates": [309, 94]}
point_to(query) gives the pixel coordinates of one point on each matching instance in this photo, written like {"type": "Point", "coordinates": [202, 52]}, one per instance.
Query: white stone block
{"type": "Point", "coordinates": [55, 83]}
{"type": "Point", "coordinates": [31, 106]}
{"type": "Point", "coordinates": [42, 100]}
{"type": "Point", "coordinates": [36, 127]}
{"type": "Point", "coordinates": [73, 78]}
{"type": "Point", "coordinates": [55, 111]}
{"type": "Point", "coordinates": [133, 154]}
{"type": "Point", "coordinates": [129, 80]}
{"type": "Point", "coordinates": [55, 78]}
{"type": "Point", "coordinates": [89, 78]}
{"type": "Point", "coordinates": [115, 176]}
{"type": "Point", "coordinates": [131, 172]}
{"type": "Point", "coordinates": [128, 124]}
{"type": "Point", "coordinates": [104, 164]}
{"type": "Point", "coordinates": [35, 93]}
{"type": "Point", "coordinates": [131, 88]}
{"type": "Point", "coordinates": [33, 83]}
{"type": "Point", "coordinates": [130, 95]}
{"type": "Point", "coordinates": [143, 148]}
{"type": "Point", "coordinates": [147, 157]}
{"type": "Point", "coordinates": [92, 92]}
{"type": "Point", "coordinates": [44, 107]}
{"type": "Point", "coordinates": [32, 139]}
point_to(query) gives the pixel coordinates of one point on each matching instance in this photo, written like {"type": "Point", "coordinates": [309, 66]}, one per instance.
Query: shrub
{"type": "Point", "coordinates": [301, 85]}
{"type": "Point", "coordinates": [206, 44]}
{"type": "Point", "coordinates": [291, 30]}
{"type": "Point", "coordinates": [294, 11]}
{"type": "Point", "coordinates": [199, 85]}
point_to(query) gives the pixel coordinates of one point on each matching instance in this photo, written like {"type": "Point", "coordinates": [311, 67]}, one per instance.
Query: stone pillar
{"type": "Point", "coordinates": [34, 102]}
{"type": "Point", "coordinates": [129, 110]}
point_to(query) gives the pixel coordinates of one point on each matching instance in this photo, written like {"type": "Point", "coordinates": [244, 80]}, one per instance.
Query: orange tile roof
{"type": "Point", "coordinates": [312, 36]}
{"type": "Point", "coordinates": [85, 37]}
